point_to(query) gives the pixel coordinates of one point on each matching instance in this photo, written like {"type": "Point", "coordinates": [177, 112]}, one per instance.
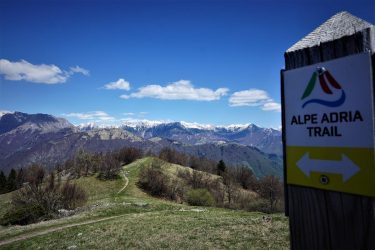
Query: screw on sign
{"type": "Point", "coordinates": [324, 179]}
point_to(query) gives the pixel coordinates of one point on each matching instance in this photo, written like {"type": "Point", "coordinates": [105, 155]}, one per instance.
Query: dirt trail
{"type": "Point", "coordinates": [126, 183]}
{"type": "Point", "coordinates": [34, 234]}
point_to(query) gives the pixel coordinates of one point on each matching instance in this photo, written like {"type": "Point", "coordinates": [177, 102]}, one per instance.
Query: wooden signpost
{"type": "Point", "coordinates": [328, 136]}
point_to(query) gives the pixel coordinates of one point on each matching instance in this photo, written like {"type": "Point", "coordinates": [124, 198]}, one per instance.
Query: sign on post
{"type": "Point", "coordinates": [329, 125]}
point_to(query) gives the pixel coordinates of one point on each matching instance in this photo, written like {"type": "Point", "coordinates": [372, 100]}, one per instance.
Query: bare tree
{"type": "Point", "coordinates": [271, 189]}
{"type": "Point", "coordinates": [128, 155]}
{"type": "Point", "coordinates": [110, 167]}
{"type": "Point", "coordinates": [245, 177]}
{"type": "Point", "coordinates": [231, 188]}
{"type": "Point", "coordinates": [173, 156]}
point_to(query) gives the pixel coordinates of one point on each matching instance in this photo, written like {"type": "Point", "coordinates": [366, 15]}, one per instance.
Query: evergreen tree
{"type": "Point", "coordinates": [12, 183]}
{"type": "Point", "coordinates": [20, 178]}
{"type": "Point", "coordinates": [221, 167]}
{"type": "Point", "coordinates": [3, 183]}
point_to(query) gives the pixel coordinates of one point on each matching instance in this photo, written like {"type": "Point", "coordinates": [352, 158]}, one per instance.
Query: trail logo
{"type": "Point", "coordinates": [323, 75]}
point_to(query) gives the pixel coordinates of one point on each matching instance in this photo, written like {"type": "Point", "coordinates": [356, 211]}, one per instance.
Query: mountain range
{"type": "Point", "coordinates": [48, 140]}
{"type": "Point", "coordinates": [267, 140]}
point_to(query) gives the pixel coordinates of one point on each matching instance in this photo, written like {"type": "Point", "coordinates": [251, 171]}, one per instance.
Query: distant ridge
{"type": "Point", "coordinates": [10, 121]}
{"type": "Point", "coordinates": [266, 139]}
{"type": "Point", "coordinates": [44, 139]}
{"type": "Point", "coordinates": [152, 123]}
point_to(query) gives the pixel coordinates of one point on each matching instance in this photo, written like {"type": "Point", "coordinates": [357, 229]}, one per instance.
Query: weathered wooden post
{"type": "Point", "coordinates": [328, 135]}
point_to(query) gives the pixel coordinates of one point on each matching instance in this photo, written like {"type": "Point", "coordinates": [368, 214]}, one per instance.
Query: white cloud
{"type": "Point", "coordinates": [254, 98]}
{"type": "Point", "coordinates": [180, 90]}
{"type": "Point", "coordinates": [272, 106]}
{"type": "Point", "coordinates": [124, 96]}
{"type": "Point", "coordinates": [131, 115]}
{"type": "Point", "coordinates": [42, 73]}
{"type": "Point", "coordinates": [251, 97]}
{"type": "Point", "coordinates": [92, 115]}
{"type": "Point", "coordinates": [119, 84]}
{"type": "Point", "coordinates": [78, 69]}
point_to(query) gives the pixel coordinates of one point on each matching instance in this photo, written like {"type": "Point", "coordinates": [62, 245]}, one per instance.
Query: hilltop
{"type": "Point", "coordinates": [121, 215]}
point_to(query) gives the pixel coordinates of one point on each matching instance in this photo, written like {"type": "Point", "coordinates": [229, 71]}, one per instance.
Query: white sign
{"type": "Point", "coordinates": [329, 125]}
{"type": "Point", "coordinates": [340, 117]}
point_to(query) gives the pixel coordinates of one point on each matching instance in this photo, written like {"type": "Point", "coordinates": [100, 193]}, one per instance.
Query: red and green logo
{"type": "Point", "coordinates": [324, 77]}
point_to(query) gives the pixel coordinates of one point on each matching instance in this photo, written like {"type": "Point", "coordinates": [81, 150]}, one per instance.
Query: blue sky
{"type": "Point", "coordinates": [212, 62]}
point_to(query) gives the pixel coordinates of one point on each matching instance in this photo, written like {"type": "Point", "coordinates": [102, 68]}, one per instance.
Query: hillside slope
{"type": "Point", "coordinates": [43, 139]}
{"type": "Point", "coordinates": [260, 163]}
{"type": "Point", "coordinates": [132, 219]}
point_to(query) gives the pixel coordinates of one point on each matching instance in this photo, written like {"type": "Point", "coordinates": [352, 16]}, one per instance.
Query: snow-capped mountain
{"type": "Point", "coordinates": [3, 112]}
{"type": "Point", "coordinates": [26, 139]}
{"type": "Point", "coordinates": [266, 139]}
{"type": "Point", "coordinates": [94, 126]}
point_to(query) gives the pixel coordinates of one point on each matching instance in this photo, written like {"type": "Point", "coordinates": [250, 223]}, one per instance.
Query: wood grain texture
{"type": "Point", "coordinates": [340, 25]}
{"type": "Point", "coordinates": [324, 219]}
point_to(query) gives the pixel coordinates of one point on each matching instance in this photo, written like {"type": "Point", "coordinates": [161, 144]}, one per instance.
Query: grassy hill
{"type": "Point", "coordinates": [127, 218]}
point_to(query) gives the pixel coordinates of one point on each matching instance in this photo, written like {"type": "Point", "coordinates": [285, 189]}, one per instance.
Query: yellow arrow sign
{"type": "Point", "coordinates": [328, 169]}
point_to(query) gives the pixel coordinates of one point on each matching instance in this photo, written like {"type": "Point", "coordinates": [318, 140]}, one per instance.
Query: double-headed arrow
{"type": "Point", "coordinates": [345, 166]}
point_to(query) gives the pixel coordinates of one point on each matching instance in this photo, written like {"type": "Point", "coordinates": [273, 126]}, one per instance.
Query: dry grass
{"type": "Point", "coordinates": [98, 189]}
{"type": "Point", "coordinates": [209, 229]}
{"type": "Point", "coordinates": [150, 223]}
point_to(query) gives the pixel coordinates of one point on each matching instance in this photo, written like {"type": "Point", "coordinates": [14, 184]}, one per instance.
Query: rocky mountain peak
{"type": "Point", "coordinates": [11, 121]}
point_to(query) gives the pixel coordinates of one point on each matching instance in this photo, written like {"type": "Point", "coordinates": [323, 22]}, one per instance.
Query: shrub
{"type": "Point", "coordinates": [196, 179]}
{"type": "Point", "coordinates": [217, 189]}
{"type": "Point", "coordinates": [199, 180]}
{"type": "Point", "coordinates": [176, 191]}
{"type": "Point", "coordinates": [172, 156]}
{"type": "Point", "coordinates": [22, 215]}
{"type": "Point", "coordinates": [202, 164]}
{"type": "Point", "coordinates": [129, 155]}
{"type": "Point", "coordinates": [72, 196]}
{"type": "Point", "coordinates": [200, 197]}
{"type": "Point", "coordinates": [41, 199]}
{"type": "Point", "coordinates": [153, 180]}
{"type": "Point", "coordinates": [257, 204]}
{"type": "Point", "coordinates": [110, 167]}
